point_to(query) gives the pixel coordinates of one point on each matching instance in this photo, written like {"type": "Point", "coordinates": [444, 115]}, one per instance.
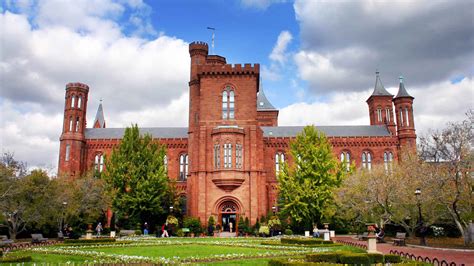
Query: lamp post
{"type": "Point", "coordinates": [421, 229]}
{"type": "Point", "coordinates": [274, 208]}
{"type": "Point", "coordinates": [64, 216]}
{"type": "Point", "coordinates": [171, 209]}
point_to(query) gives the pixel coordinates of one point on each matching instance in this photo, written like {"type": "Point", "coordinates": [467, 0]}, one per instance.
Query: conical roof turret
{"type": "Point", "coordinates": [379, 89]}
{"type": "Point", "coordinates": [263, 104]}
{"type": "Point", "coordinates": [99, 121]}
{"type": "Point", "coordinates": [402, 92]}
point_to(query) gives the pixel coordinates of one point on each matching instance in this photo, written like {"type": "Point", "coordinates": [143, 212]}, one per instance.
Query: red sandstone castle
{"type": "Point", "coordinates": [226, 161]}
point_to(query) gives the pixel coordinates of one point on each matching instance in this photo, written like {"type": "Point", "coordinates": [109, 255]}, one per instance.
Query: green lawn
{"type": "Point", "coordinates": [202, 251]}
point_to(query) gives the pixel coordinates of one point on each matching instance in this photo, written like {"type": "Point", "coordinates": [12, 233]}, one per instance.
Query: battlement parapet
{"type": "Point", "coordinates": [198, 47]}
{"type": "Point", "coordinates": [77, 85]}
{"type": "Point", "coordinates": [215, 60]}
{"type": "Point", "coordinates": [229, 69]}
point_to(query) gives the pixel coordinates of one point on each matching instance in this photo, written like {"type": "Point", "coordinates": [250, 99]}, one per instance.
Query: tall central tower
{"type": "Point", "coordinates": [224, 142]}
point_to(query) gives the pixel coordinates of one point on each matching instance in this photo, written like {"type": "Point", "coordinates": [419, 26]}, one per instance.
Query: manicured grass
{"type": "Point", "coordinates": [52, 258]}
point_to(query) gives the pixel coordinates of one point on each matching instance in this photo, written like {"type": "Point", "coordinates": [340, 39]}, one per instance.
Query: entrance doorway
{"type": "Point", "coordinates": [228, 216]}
{"type": "Point", "coordinates": [227, 219]}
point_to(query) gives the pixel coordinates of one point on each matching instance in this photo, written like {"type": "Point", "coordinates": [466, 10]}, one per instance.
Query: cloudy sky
{"type": "Point", "coordinates": [318, 60]}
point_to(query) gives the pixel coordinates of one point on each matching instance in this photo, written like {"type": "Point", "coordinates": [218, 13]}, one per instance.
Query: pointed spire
{"type": "Point", "coordinates": [379, 89]}
{"type": "Point", "coordinates": [99, 121]}
{"type": "Point", "coordinates": [263, 104]}
{"type": "Point", "coordinates": [402, 92]}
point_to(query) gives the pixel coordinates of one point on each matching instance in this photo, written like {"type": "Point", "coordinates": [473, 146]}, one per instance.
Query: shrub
{"type": "Point", "coordinates": [288, 232]}
{"type": "Point", "coordinates": [354, 259]}
{"type": "Point", "coordinates": [94, 241]}
{"type": "Point", "coordinates": [194, 225]}
{"type": "Point", "coordinates": [264, 230]}
{"type": "Point", "coordinates": [323, 257]}
{"type": "Point", "coordinates": [391, 258]}
{"type": "Point", "coordinates": [375, 258]}
{"type": "Point", "coordinates": [211, 221]}
{"type": "Point", "coordinates": [179, 233]}
{"type": "Point", "coordinates": [171, 220]}
{"type": "Point", "coordinates": [274, 223]}
{"type": "Point", "coordinates": [15, 258]}
{"type": "Point", "coordinates": [138, 232]}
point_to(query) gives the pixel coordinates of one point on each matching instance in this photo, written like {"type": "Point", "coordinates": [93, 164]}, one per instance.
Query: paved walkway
{"type": "Point", "coordinates": [459, 257]}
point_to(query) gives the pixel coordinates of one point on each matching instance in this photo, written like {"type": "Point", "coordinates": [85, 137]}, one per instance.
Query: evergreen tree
{"type": "Point", "coordinates": [137, 178]}
{"type": "Point", "coordinates": [306, 188]}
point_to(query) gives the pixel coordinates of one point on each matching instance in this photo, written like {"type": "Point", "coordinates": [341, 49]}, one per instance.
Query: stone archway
{"type": "Point", "coordinates": [229, 210]}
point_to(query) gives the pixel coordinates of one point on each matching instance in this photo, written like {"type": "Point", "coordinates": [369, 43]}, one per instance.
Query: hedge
{"type": "Point", "coordinates": [375, 258]}
{"type": "Point", "coordinates": [392, 258]}
{"type": "Point", "coordinates": [354, 259]}
{"type": "Point", "coordinates": [323, 257]}
{"type": "Point", "coordinates": [94, 241]}
{"type": "Point", "coordinates": [304, 241]}
{"type": "Point", "coordinates": [287, 262]}
{"type": "Point", "coordinates": [15, 258]}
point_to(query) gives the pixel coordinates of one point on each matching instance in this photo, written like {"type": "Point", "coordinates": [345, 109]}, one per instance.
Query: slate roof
{"type": "Point", "coordinates": [263, 104]}
{"type": "Point", "coordinates": [379, 89]}
{"type": "Point", "coordinates": [100, 116]}
{"type": "Point", "coordinates": [402, 92]}
{"type": "Point", "coordinates": [155, 132]}
{"type": "Point", "coordinates": [330, 131]}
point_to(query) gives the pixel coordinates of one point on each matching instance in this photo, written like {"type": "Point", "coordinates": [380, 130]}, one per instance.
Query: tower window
{"type": "Point", "coordinates": [367, 160]}
{"type": "Point", "coordinates": [407, 117]}
{"type": "Point", "coordinates": [73, 101]}
{"type": "Point", "coordinates": [183, 167]}
{"type": "Point", "coordinates": [99, 162]}
{"type": "Point", "coordinates": [227, 155]}
{"type": "Point", "coordinates": [238, 156]}
{"type": "Point", "coordinates": [379, 114]}
{"type": "Point", "coordinates": [279, 161]}
{"type": "Point", "coordinates": [346, 158]}
{"type": "Point", "coordinates": [68, 151]}
{"type": "Point", "coordinates": [77, 124]}
{"type": "Point", "coordinates": [217, 156]}
{"type": "Point", "coordinates": [387, 114]}
{"type": "Point", "coordinates": [70, 124]}
{"type": "Point", "coordinates": [228, 103]}
{"type": "Point", "coordinates": [401, 117]}
{"type": "Point", "coordinates": [165, 163]}
{"type": "Point", "coordinates": [388, 160]}
{"type": "Point", "coordinates": [79, 102]}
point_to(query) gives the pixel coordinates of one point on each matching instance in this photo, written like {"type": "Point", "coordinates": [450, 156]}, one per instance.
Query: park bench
{"type": "Point", "coordinates": [38, 238]}
{"type": "Point", "coordinates": [399, 239]}
{"type": "Point", "coordinates": [127, 232]}
{"type": "Point", "coordinates": [4, 241]}
{"type": "Point", "coordinates": [364, 236]}
{"type": "Point", "coordinates": [60, 236]}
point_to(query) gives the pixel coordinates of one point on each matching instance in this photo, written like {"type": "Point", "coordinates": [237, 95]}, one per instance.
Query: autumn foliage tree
{"type": "Point", "coordinates": [306, 187]}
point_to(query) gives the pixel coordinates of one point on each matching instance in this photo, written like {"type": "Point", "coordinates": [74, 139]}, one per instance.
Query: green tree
{"type": "Point", "coordinates": [137, 178]}
{"type": "Point", "coordinates": [306, 188]}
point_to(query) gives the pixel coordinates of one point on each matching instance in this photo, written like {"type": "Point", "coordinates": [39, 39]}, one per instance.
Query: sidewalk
{"type": "Point", "coordinates": [459, 257]}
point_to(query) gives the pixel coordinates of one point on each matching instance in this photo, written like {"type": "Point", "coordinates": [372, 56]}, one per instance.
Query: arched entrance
{"type": "Point", "coordinates": [228, 216]}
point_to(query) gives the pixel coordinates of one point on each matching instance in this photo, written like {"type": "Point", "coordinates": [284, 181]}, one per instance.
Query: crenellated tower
{"type": "Point", "coordinates": [380, 106]}
{"type": "Point", "coordinates": [405, 123]}
{"type": "Point", "coordinates": [72, 140]}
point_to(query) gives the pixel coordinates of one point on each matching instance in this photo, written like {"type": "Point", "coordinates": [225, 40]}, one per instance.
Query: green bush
{"type": "Point", "coordinates": [264, 230]}
{"type": "Point", "coordinates": [93, 240]}
{"type": "Point", "coordinates": [304, 241]}
{"type": "Point", "coordinates": [15, 258]}
{"type": "Point", "coordinates": [323, 257]}
{"type": "Point", "coordinates": [180, 233]}
{"type": "Point", "coordinates": [138, 232]}
{"type": "Point", "coordinates": [288, 232]}
{"type": "Point", "coordinates": [289, 262]}
{"type": "Point", "coordinates": [391, 258]}
{"type": "Point", "coordinates": [375, 258]}
{"type": "Point", "coordinates": [354, 258]}
{"type": "Point", "coordinates": [194, 225]}
{"type": "Point", "coordinates": [171, 220]}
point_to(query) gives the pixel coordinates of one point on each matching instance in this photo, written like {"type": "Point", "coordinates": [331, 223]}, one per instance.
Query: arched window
{"type": "Point", "coordinates": [227, 155]}
{"type": "Point", "coordinates": [73, 101]}
{"type": "Point", "coordinates": [238, 156]}
{"type": "Point", "coordinates": [228, 103]}
{"type": "Point", "coordinates": [279, 160]}
{"type": "Point", "coordinates": [77, 124]}
{"type": "Point", "coordinates": [407, 117]}
{"type": "Point", "coordinates": [388, 160]}
{"type": "Point", "coordinates": [387, 114]}
{"type": "Point", "coordinates": [346, 159]}
{"type": "Point", "coordinates": [70, 124]}
{"type": "Point", "coordinates": [99, 162]}
{"type": "Point", "coordinates": [401, 116]}
{"type": "Point", "coordinates": [367, 160]}
{"type": "Point", "coordinates": [217, 156]}
{"type": "Point", "coordinates": [68, 152]}
{"type": "Point", "coordinates": [165, 162]}
{"type": "Point", "coordinates": [79, 102]}
{"type": "Point", "coordinates": [379, 114]}
{"type": "Point", "coordinates": [183, 167]}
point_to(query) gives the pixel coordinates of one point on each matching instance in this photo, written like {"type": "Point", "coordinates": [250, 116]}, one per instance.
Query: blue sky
{"type": "Point", "coordinates": [317, 58]}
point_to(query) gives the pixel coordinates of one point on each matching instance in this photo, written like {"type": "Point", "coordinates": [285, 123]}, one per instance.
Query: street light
{"type": "Point", "coordinates": [421, 227]}
{"type": "Point", "coordinates": [274, 209]}
{"type": "Point", "coordinates": [171, 209]}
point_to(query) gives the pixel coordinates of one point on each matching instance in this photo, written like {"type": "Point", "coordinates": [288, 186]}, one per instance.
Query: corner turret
{"type": "Point", "coordinates": [380, 106]}
{"type": "Point", "coordinates": [405, 121]}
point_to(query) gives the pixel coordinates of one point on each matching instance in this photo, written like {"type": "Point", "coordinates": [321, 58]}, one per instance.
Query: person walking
{"type": "Point", "coordinates": [315, 231]}
{"type": "Point", "coordinates": [145, 229]}
{"type": "Point", "coordinates": [165, 230]}
{"type": "Point", "coordinates": [98, 229]}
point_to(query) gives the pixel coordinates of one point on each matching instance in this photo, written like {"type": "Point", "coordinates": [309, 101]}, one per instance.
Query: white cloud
{"type": "Point", "coordinates": [434, 106]}
{"type": "Point", "coordinates": [279, 50]}
{"type": "Point", "coordinates": [260, 4]}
